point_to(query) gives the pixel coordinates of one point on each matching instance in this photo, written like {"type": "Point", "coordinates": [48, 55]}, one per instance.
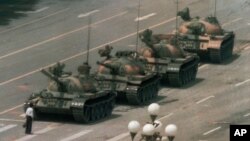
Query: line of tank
{"type": "Point", "coordinates": [134, 76]}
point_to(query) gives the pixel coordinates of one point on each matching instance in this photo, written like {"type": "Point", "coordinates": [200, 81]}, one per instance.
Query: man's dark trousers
{"type": "Point", "coordinates": [28, 125]}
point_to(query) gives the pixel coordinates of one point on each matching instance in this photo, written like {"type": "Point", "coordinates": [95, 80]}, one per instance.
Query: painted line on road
{"type": "Point", "coordinates": [7, 127]}
{"type": "Point", "coordinates": [34, 21]}
{"type": "Point", "coordinates": [33, 12]}
{"type": "Point", "coordinates": [241, 83]}
{"type": "Point", "coordinates": [211, 131]}
{"type": "Point", "coordinates": [230, 22]}
{"type": "Point", "coordinates": [39, 10]}
{"type": "Point", "coordinates": [57, 37]}
{"type": "Point", "coordinates": [247, 48]}
{"type": "Point", "coordinates": [203, 66]}
{"type": "Point", "coordinates": [87, 14]}
{"type": "Point", "coordinates": [42, 131]}
{"type": "Point", "coordinates": [205, 99]}
{"type": "Point", "coordinates": [119, 137]}
{"type": "Point", "coordinates": [22, 115]}
{"type": "Point", "coordinates": [167, 116]}
{"type": "Point", "coordinates": [75, 136]}
{"type": "Point", "coordinates": [144, 17]}
{"type": "Point", "coordinates": [246, 115]}
{"type": "Point", "coordinates": [16, 120]}
{"type": "Point", "coordinates": [84, 52]}
{"type": "Point", "coordinates": [18, 106]}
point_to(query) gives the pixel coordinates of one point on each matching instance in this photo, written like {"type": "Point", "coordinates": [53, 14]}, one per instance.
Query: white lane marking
{"type": "Point", "coordinates": [57, 37]}
{"type": "Point", "coordinates": [18, 106]}
{"type": "Point", "coordinates": [247, 48]}
{"type": "Point", "coordinates": [82, 53]}
{"type": "Point", "coordinates": [39, 10]}
{"type": "Point", "coordinates": [144, 17]}
{"type": "Point", "coordinates": [7, 127]}
{"type": "Point", "coordinates": [22, 115]}
{"type": "Point", "coordinates": [87, 14]}
{"type": "Point", "coordinates": [77, 135]}
{"type": "Point", "coordinates": [4, 119]}
{"type": "Point", "coordinates": [246, 115]}
{"type": "Point", "coordinates": [210, 131]}
{"type": "Point", "coordinates": [241, 83]}
{"type": "Point", "coordinates": [248, 23]}
{"type": "Point", "coordinates": [119, 137]}
{"type": "Point", "coordinates": [167, 116]}
{"type": "Point", "coordinates": [33, 12]}
{"type": "Point", "coordinates": [28, 137]}
{"type": "Point", "coordinates": [34, 21]}
{"type": "Point", "coordinates": [230, 22]}
{"type": "Point", "coordinates": [131, 45]}
{"type": "Point", "coordinates": [203, 66]}
{"type": "Point", "coordinates": [204, 99]}
{"type": "Point", "coordinates": [159, 24]}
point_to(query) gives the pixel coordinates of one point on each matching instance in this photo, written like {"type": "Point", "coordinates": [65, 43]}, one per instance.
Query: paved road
{"type": "Point", "coordinates": [56, 31]}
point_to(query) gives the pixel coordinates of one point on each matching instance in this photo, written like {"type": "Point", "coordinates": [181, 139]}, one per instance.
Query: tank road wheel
{"type": "Point", "coordinates": [141, 96]}
{"type": "Point", "coordinates": [86, 114]}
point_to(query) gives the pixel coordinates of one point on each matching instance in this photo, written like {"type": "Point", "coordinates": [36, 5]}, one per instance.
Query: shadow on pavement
{"type": "Point", "coordinates": [14, 9]}
{"type": "Point", "coordinates": [58, 118]}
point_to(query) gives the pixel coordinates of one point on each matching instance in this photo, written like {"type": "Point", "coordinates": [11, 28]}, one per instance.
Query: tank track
{"type": "Point", "coordinates": [225, 52]}
{"type": "Point", "coordinates": [187, 74]}
{"type": "Point", "coordinates": [94, 110]}
{"type": "Point", "coordinates": [146, 92]}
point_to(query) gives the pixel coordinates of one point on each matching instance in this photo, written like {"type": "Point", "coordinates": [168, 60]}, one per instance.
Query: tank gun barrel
{"type": "Point", "coordinates": [51, 76]}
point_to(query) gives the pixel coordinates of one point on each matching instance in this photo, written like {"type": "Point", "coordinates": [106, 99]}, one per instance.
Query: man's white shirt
{"type": "Point", "coordinates": [29, 112]}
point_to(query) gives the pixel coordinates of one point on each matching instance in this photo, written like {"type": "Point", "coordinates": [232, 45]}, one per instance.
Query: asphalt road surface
{"type": "Point", "coordinates": [56, 30]}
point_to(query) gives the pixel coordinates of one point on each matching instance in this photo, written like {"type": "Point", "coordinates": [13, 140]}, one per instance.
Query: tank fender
{"type": "Point", "coordinates": [78, 103]}
{"type": "Point", "coordinates": [174, 67]}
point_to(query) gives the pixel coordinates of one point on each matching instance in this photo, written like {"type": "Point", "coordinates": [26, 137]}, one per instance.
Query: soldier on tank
{"type": "Point", "coordinates": [58, 70]}
{"type": "Point", "coordinates": [106, 52]}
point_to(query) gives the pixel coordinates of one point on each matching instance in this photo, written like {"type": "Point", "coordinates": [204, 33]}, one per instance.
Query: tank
{"type": "Point", "coordinates": [127, 74]}
{"type": "Point", "coordinates": [176, 66]}
{"type": "Point", "coordinates": [205, 37]}
{"type": "Point", "coordinates": [78, 95]}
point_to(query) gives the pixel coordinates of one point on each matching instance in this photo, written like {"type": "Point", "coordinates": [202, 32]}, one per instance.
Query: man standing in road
{"type": "Point", "coordinates": [29, 118]}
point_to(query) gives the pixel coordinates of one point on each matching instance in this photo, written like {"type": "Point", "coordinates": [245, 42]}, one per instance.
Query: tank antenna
{"type": "Point", "coordinates": [88, 41]}
{"type": "Point", "coordinates": [215, 4]}
{"type": "Point", "coordinates": [176, 22]}
{"type": "Point", "coordinates": [138, 24]}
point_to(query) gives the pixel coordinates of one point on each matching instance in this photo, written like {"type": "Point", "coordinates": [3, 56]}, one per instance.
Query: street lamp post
{"type": "Point", "coordinates": [151, 130]}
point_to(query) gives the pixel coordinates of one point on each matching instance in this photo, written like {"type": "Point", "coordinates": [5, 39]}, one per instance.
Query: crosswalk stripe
{"type": "Point", "coordinates": [7, 127]}
{"type": "Point", "coordinates": [77, 135]}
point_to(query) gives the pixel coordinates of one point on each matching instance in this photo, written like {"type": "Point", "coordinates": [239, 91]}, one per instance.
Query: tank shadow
{"type": "Point", "coordinates": [14, 9]}
{"type": "Point", "coordinates": [56, 118]}
{"type": "Point", "coordinates": [230, 60]}
{"type": "Point", "coordinates": [124, 102]}
{"type": "Point", "coordinates": [225, 62]}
